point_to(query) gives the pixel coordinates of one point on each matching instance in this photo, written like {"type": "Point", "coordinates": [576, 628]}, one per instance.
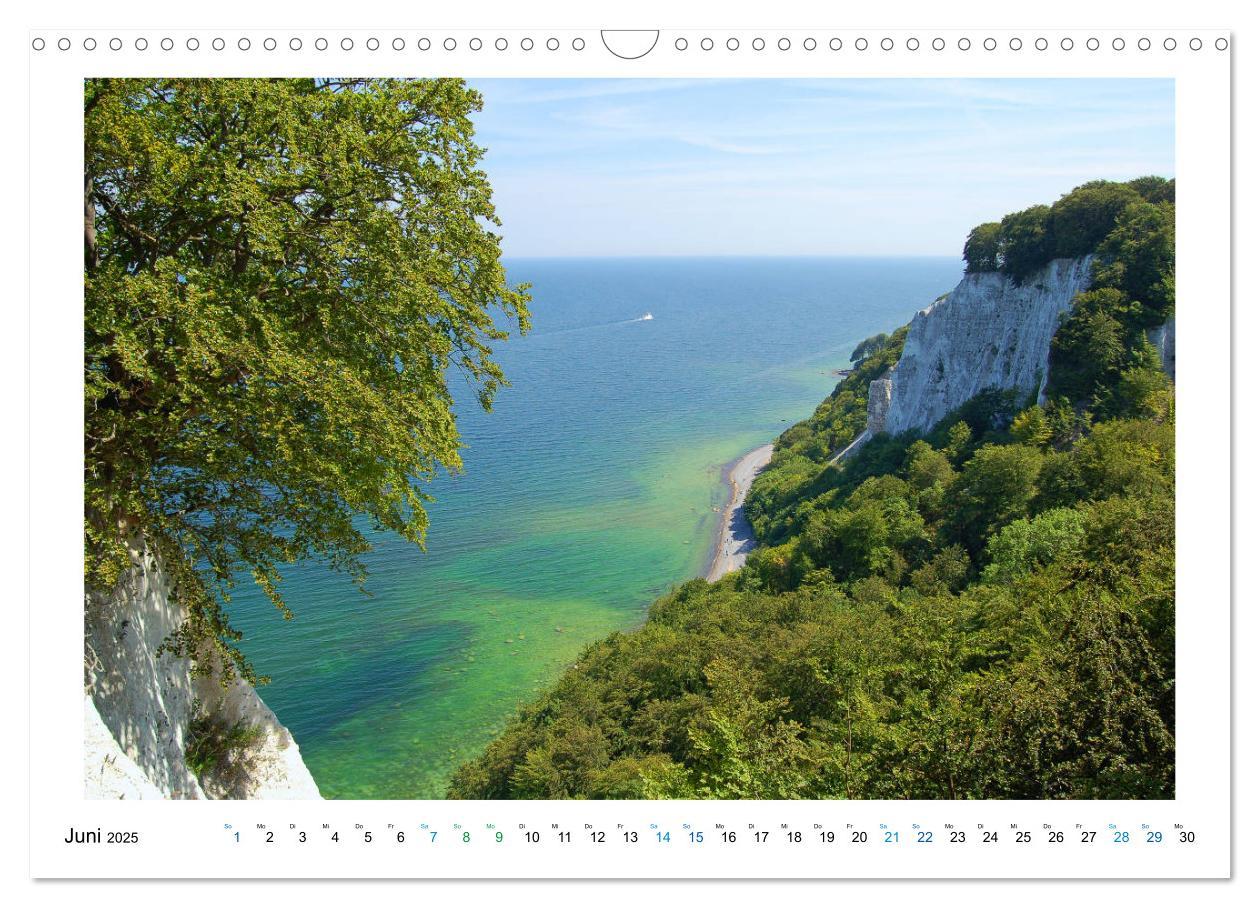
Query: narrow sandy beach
{"type": "Point", "coordinates": [735, 539]}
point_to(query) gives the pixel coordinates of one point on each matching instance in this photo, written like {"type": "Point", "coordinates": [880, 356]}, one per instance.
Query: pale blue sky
{"type": "Point", "coordinates": [801, 167]}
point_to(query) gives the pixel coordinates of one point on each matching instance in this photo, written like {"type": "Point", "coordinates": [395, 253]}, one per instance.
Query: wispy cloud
{"type": "Point", "coordinates": [810, 166]}
{"type": "Point", "coordinates": [561, 90]}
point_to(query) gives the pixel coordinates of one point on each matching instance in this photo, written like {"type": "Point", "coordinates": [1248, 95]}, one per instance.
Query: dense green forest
{"type": "Point", "coordinates": [986, 611]}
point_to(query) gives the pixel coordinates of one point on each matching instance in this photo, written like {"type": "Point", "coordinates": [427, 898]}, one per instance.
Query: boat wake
{"type": "Point", "coordinates": [645, 317]}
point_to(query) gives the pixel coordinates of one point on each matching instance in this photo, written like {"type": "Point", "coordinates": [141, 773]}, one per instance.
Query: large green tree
{"type": "Point", "coordinates": [280, 277]}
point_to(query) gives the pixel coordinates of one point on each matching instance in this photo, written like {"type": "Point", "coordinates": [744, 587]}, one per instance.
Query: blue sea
{"type": "Point", "coordinates": [591, 488]}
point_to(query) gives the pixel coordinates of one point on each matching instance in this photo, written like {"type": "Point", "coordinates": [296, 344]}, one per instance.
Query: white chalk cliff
{"type": "Point", "coordinates": [139, 705]}
{"type": "Point", "coordinates": [989, 332]}
{"type": "Point", "coordinates": [1164, 340]}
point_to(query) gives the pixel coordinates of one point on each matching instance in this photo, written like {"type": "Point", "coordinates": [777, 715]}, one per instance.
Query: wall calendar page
{"type": "Point", "coordinates": [714, 451]}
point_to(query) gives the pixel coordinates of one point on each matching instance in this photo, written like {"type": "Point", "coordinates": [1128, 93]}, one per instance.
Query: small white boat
{"type": "Point", "coordinates": [647, 317]}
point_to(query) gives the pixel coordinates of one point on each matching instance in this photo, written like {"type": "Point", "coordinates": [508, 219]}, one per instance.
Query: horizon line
{"type": "Point", "coordinates": [737, 255]}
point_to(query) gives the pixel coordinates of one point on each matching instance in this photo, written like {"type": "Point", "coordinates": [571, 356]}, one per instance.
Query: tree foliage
{"type": "Point", "coordinates": [1027, 241]}
{"type": "Point", "coordinates": [279, 275]}
{"type": "Point", "coordinates": [1137, 258]}
{"type": "Point", "coordinates": [869, 346]}
{"type": "Point", "coordinates": [1120, 221]}
{"type": "Point", "coordinates": [983, 249]}
{"type": "Point", "coordinates": [1088, 350]}
{"type": "Point", "coordinates": [1083, 218]}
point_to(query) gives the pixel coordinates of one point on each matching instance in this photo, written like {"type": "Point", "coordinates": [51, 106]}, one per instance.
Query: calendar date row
{"type": "Point", "coordinates": [684, 835]}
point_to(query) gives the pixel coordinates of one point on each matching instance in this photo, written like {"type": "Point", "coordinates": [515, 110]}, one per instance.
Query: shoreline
{"type": "Point", "coordinates": [735, 536]}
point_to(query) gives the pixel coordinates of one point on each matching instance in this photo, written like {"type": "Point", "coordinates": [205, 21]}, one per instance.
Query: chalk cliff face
{"type": "Point", "coordinates": [988, 333]}
{"type": "Point", "coordinates": [878, 403]}
{"type": "Point", "coordinates": [1164, 340]}
{"type": "Point", "coordinates": [139, 705]}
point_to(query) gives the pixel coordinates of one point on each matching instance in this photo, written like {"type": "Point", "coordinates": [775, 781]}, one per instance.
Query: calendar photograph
{"type": "Point", "coordinates": [635, 439]}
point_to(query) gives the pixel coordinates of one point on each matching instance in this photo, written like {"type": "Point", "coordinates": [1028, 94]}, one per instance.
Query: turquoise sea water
{"type": "Point", "coordinates": [589, 491]}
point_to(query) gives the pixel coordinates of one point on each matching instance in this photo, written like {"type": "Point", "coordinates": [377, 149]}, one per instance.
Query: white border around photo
{"type": "Point", "coordinates": [185, 839]}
